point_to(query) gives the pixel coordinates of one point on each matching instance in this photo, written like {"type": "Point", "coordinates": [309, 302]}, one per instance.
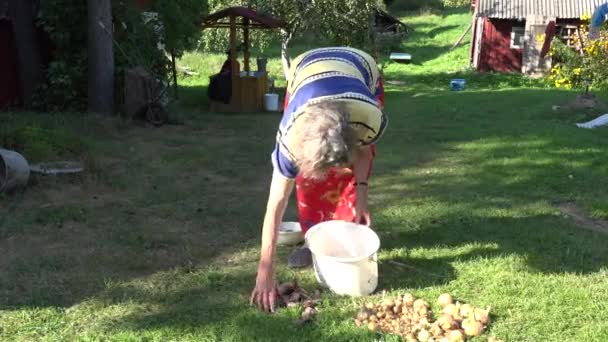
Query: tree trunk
{"type": "Point", "coordinates": [28, 50]}
{"type": "Point", "coordinates": [101, 57]}
{"type": "Point", "coordinates": [285, 53]}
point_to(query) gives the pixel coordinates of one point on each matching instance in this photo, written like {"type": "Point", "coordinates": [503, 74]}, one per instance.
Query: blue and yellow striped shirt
{"type": "Point", "coordinates": [339, 74]}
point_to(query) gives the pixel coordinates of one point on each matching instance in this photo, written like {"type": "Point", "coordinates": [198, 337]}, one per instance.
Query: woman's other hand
{"type": "Point", "coordinates": [362, 215]}
{"type": "Point", "coordinates": [264, 295]}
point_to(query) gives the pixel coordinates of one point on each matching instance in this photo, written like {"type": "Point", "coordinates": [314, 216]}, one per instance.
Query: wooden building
{"type": "Point", "coordinates": [506, 32]}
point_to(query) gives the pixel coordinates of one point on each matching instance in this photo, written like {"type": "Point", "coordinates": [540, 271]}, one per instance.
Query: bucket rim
{"type": "Point", "coordinates": [317, 227]}
{"type": "Point", "coordinates": [3, 172]}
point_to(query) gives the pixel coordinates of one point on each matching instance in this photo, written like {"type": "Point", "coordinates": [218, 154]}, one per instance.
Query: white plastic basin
{"type": "Point", "coordinates": [345, 257]}
{"type": "Point", "coordinates": [290, 233]}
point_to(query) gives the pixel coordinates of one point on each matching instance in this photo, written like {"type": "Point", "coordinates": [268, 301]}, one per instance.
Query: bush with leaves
{"type": "Point", "coordinates": [328, 22]}
{"type": "Point", "coordinates": [136, 43]}
{"type": "Point", "coordinates": [66, 77]}
{"type": "Point", "coordinates": [456, 3]}
{"type": "Point", "coordinates": [586, 64]}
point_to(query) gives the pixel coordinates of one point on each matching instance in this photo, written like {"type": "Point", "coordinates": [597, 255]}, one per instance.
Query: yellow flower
{"type": "Point", "coordinates": [586, 17]}
{"type": "Point", "coordinates": [540, 38]}
{"type": "Point", "coordinates": [577, 71]}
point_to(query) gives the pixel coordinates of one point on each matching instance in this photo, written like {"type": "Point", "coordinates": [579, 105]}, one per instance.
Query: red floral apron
{"type": "Point", "coordinates": [332, 198]}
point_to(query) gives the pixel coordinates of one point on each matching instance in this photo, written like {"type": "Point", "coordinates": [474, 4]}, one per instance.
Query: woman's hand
{"type": "Point", "coordinates": [361, 170]}
{"type": "Point", "coordinates": [264, 295]}
{"type": "Point", "coordinates": [362, 215]}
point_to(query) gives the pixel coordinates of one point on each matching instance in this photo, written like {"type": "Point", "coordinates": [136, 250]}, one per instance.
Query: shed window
{"type": "Point", "coordinates": [567, 33]}
{"type": "Point", "coordinates": [517, 37]}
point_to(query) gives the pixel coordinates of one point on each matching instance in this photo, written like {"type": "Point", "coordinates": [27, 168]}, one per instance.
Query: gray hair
{"type": "Point", "coordinates": [324, 139]}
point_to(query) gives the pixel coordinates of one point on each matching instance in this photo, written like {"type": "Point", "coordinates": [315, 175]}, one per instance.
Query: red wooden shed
{"type": "Point", "coordinates": [505, 31]}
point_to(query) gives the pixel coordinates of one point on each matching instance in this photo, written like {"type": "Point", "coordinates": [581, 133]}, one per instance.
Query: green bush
{"type": "Point", "coordinates": [572, 69]}
{"type": "Point", "coordinates": [456, 3]}
{"type": "Point", "coordinates": [414, 5]}
{"type": "Point", "coordinates": [136, 43]}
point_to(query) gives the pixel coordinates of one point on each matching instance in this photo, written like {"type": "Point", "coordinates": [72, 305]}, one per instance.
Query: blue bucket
{"type": "Point", "coordinates": [457, 84]}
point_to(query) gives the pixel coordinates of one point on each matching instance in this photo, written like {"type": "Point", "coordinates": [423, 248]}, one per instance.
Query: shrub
{"type": "Point", "coordinates": [573, 69]}
{"type": "Point", "coordinates": [136, 43]}
{"type": "Point", "coordinates": [414, 5]}
{"type": "Point", "coordinates": [456, 3]}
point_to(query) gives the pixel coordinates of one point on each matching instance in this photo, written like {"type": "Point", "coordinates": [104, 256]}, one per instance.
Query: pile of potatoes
{"type": "Point", "coordinates": [412, 318]}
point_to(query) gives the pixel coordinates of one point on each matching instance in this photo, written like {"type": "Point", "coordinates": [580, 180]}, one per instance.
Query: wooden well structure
{"type": "Point", "coordinates": [248, 88]}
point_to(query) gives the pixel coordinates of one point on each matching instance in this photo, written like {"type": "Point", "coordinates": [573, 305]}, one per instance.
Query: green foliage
{"type": "Point", "coordinates": [414, 5]}
{"type": "Point", "coordinates": [66, 81]}
{"type": "Point", "coordinates": [456, 3]}
{"type": "Point", "coordinates": [345, 22]}
{"type": "Point", "coordinates": [573, 69]}
{"type": "Point", "coordinates": [137, 42]}
{"type": "Point", "coordinates": [181, 23]}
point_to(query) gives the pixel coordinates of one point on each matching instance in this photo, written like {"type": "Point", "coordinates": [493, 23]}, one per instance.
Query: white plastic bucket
{"type": "Point", "coordinates": [14, 170]}
{"type": "Point", "coordinates": [271, 102]}
{"type": "Point", "coordinates": [345, 257]}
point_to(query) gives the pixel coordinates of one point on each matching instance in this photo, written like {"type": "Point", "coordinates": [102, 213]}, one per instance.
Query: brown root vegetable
{"type": "Point", "coordinates": [363, 315]}
{"type": "Point", "coordinates": [423, 311]}
{"type": "Point", "coordinates": [436, 330]}
{"type": "Point", "coordinates": [411, 337]}
{"type": "Point", "coordinates": [455, 335]}
{"type": "Point", "coordinates": [285, 299]}
{"type": "Point", "coordinates": [423, 335]}
{"type": "Point", "coordinates": [424, 321]}
{"type": "Point", "coordinates": [369, 306]}
{"type": "Point", "coordinates": [306, 317]}
{"type": "Point", "coordinates": [372, 326]}
{"type": "Point", "coordinates": [458, 318]}
{"type": "Point", "coordinates": [287, 288]}
{"type": "Point", "coordinates": [446, 322]}
{"type": "Point", "coordinates": [472, 327]}
{"type": "Point", "coordinates": [295, 297]}
{"type": "Point", "coordinates": [358, 322]}
{"type": "Point", "coordinates": [450, 309]}
{"type": "Point", "coordinates": [408, 299]}
{"type": "Point", "coordinates": [420, 303]}
{"type": "Point", "coordinates": [445, 299]}
{"type": "Point", "coordinates": [416, 317]}
{"type": "Point", "coordinates": [482, 316]}
{"type": "Point", "coordinates": [466, 310]}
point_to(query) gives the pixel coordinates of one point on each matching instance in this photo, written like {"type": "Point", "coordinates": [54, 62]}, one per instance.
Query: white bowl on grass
{"type": "Point", "coordinates": [290, 233]}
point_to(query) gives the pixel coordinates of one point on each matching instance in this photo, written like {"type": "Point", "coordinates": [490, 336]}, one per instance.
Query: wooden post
{"type": "Point", "coordinates": [233, 45]}
{"type": "Point", "coordinates": [28, 50]}
{"type": "Point", "coordinates": [246, 43]}
{"type": "Point", "coordinates": [462, 36]}
{"type": "Point", "coordinates": [101, 57]}
{"type": "Point", "coordinates": [174, 73]}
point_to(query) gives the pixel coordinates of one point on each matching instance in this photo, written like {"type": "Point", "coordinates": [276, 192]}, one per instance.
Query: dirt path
{"type": "Point", "coordinates": [583, 220]}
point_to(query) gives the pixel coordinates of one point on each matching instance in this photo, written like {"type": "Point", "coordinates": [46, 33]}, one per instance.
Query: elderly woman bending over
{"type": "Point", "coordinates": [325, 145]}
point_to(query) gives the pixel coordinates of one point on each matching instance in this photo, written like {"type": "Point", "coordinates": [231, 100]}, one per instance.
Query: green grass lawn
{"type": "Point", "coordinates": [159, 239]}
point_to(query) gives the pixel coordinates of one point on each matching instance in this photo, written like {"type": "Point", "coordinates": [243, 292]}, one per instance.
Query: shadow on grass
{"type": "Point", "coordinates": [471, 173]}
{"type": "Point", "coordinates": [476, 168]}
{"type": "Point", "coordinates": [215, 305]}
